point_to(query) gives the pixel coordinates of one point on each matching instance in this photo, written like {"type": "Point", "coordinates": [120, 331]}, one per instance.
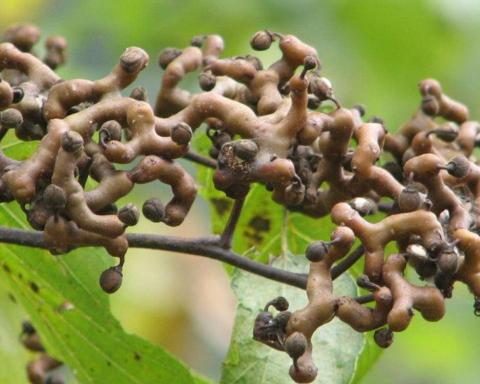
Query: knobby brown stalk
{"type": "Point", "coordinates": [266, 125]}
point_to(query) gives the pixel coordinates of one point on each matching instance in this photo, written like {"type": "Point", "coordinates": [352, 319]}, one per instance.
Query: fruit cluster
{"type": "Point", "coordinates": [268, 125]}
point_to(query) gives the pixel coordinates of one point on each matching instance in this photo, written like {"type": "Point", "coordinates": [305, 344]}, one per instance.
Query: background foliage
{"type": "Point", "coordinates": [374, 52]}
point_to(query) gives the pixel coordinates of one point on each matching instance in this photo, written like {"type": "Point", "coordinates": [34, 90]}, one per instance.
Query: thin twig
{"type": "Point", "coordinates": [203, 160]}
{"type": "Point", "coordinates": [347, 262]}
{"type": "Point", "coordinates": [203, 246]}
{"type": "Point", "coordinates": [227, 235]}
{"type": "Point", "coordinates": [385, 207]}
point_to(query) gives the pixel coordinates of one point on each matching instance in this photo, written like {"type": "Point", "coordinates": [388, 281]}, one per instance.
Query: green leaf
{"type": "Point", "coordinates": [62, 296]}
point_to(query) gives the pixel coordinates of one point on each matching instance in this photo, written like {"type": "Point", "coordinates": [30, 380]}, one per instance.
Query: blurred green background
{"type": "Point", "coordinates": [374, 52]}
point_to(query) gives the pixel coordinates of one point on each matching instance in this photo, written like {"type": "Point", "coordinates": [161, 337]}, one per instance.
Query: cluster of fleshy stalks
{"type": "Point", "coordinates": [428, 194]}
{"type": "Point", "coordinates": [279, 125]}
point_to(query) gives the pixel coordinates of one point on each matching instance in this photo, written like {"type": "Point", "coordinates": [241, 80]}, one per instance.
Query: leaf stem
{"type": "Point", "coordinates": [347, 262]}
{"type": "Point", "coordinates": [199, 159]}
{"type": "Point", "coordinates": [227, 235]}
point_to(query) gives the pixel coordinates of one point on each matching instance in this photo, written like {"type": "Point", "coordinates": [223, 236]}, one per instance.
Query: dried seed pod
{"type": "Point", "coordinates": [426, 268]}
{"type": "Point", "coordinates": [436, 249]}
{"type": "Point", "coordinates": [409, 200]}
{"type": "Point", "coordinates": [255, 61]}
{"type": "Point", "coordinates": [376, 119]}
{"type": "Point", "coordinates": [129, 215]}
{"type": "Point", "coordinates": [181, 134]}
{"type": "Point", "coordinates": [245, 149]}
{"type": "Point", "coordinates": [458, 167]}
{"type": "Point", "coordinates": [430, 106]}
{"type": "Point", "coordinates": [316, 251]}
{"type": "Point", "coordinates": [284, 89]}
{"type": "Point", "coordinates": [167, 56]}
{"type": "Point", "coordinates": [72, 142]}
{"type": "Point", "coordinates": [294, 194]}
{"type": "Point", "coordinates": [279, 303]}
{"type": "Point", "coordinates": [282, 319]}
{"type": "Point", "coordinates": [56, 47]}
{"type": "Point", "coordinates": [262, 320]}
{"type": "Point", "coordinates": [321, 87]}
{"type": "Point", "coordinates": [361, 110]}
{"type": "Point", "coordinates": [309, 63]}
{"type": "Point", "coordinates": [363, 206]}
{"type": "Point", "coordinates": [133, 60]}
{"type": "Point", "coordinates": [154, 210]}
{"type": "Point", "coordinates": [261, 41]}
{"type": "Point", "coordinates": [476, 306]}
{"type": "Point", "coordinates": [295, 345]}
{"type": "Point", "coordinates": [28, 328]}
{"type": "Point", "coordinates": [220, 138]}
{"type": "Point", "coordinates": [448, 261]}
{"type": "Point", "coordinates": [39, 369]}
{"type": "Point", "coordinates": [23, 36]}
{"type": "Point", "coordinates": [30, 338]}
{"type": "Point", "coordinates": [418, 257]}
{"type": "Point", "coordinates": [313, 102]}
{"type": "Point", "coordinates": [110, 130]}
{"type": "Point", "coordinates": [111, 279]}
{"type": "Point", "coordinates": [444, 282]}
{"type": "Point", "coordinates": [139, 93]}
{"type": "Point", "coordinates": [18, 95]}
{"type": "Point", "coordinates": [54, 197]}
{"type": "Point", "coordinates": [383, 337]}
{"type": "Point", "coordinates": [38, 216]}
{"type": "Point", "coordinates": [207, 81]}
{"type": "Point", "coordinates": [197, 41]}
{"type": "Point", "coordinates": [237, 191]}
{"type": "Point", "coordinates": [447, 132]}
{"type": "Point", "coordinates": [364, 282]}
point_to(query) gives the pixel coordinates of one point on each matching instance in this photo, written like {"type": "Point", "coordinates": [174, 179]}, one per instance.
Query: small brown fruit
{"type": "Point", "coordinates": [245, 149]}
{"type": "Point", "coordinates": [72, 142]}
{"type": "Point", "coordinates": [181, 134]}
{"type": "Point", "coordinates": [317, 250]}
{"type": "Point", "coordinates": [153, 210]}
{"type": "Point", "coordinates": [167, 56]}
{"type": "Point", "coordinates": [111, 279]}
{"type": "Point", "coordinates": [54, 197]}
{"type": "Point", "coordinates": [207, 81]}
{"type": "Point", "coordinates": [296, 345]}
{"type": "Point", "coordinates": [383, 337]}
{"type": "Point", "coordinates": [129, 215]}
{"type": "Point", "coordinates": [261, 41]}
